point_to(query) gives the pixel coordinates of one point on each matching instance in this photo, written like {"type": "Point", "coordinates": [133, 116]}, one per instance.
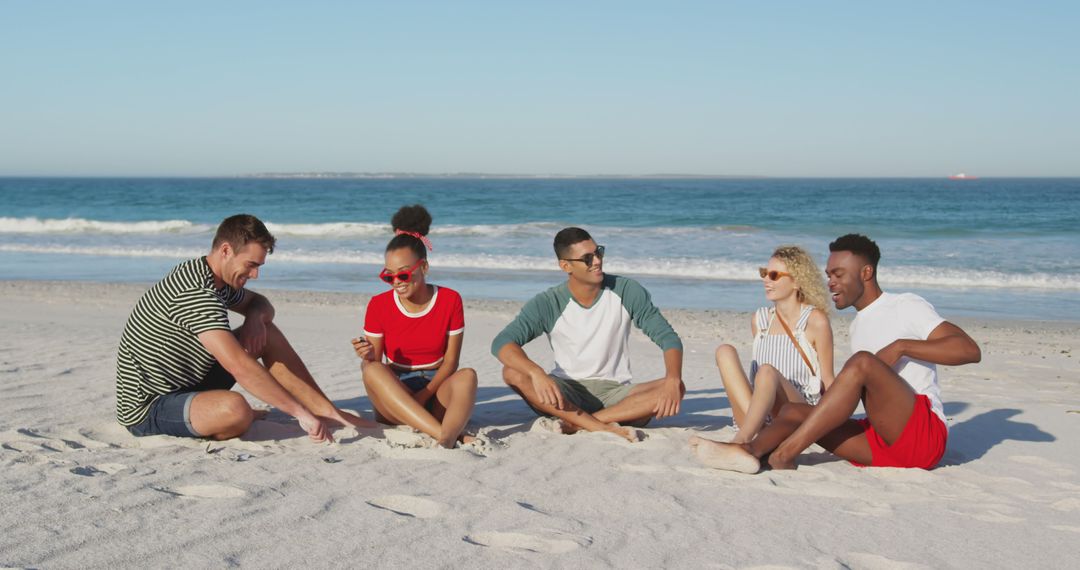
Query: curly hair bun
{"type": "Point", "coordinates": [413, 218]}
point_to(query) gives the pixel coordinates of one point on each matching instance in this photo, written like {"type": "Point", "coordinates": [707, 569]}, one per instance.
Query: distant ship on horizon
{"type": "Point", "coordinates": [963, 176]}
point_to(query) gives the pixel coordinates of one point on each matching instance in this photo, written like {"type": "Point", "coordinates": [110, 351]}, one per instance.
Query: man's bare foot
{"type": "Point", "coordinates": [726, 456]}
{"type": "Point", "coordinates": [552, 425]}
{"type": "Point", "coordinates": [628, 433]}
{"type": "Point", "coordinates": [780, 460]}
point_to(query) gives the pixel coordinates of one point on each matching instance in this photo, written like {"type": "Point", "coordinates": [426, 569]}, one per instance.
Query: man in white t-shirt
{"type": "Point", "coordinates": [897, 340]}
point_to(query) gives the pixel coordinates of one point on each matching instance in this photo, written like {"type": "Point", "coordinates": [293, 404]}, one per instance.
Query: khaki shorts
{"type": "Point", "coordinates": [591, 396]}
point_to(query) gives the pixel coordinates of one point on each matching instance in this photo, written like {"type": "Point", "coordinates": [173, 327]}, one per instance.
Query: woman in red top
{"type": "Point", "coordinates": [413, 339]}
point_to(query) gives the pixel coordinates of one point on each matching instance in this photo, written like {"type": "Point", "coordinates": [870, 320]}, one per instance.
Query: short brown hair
{"type": "Point", "coordinates": [241, 229]}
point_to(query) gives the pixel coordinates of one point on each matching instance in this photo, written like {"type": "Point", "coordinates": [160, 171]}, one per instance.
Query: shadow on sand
{"type": "Point", "coordinates": [971, 439]}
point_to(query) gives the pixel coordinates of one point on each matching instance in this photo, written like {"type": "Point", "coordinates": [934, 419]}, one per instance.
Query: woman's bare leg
{"type": "Point", "coordinates": [766, 389]}
{"type": "Point", "coordinates": [736, 385]}
{"type": "Point", "coordinates": [394, 402]}
{"type": "Point", "coordinates": [454, 405]}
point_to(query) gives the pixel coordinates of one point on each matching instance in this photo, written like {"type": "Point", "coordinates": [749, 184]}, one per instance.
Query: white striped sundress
{"type": "Point", "coordinates": [778, 351]}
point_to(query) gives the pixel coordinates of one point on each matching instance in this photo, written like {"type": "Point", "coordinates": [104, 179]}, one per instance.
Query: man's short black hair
{"type": "Point", "coordinates": [859, 245]}
{"type": "Point", "coordinates": [568, 237]}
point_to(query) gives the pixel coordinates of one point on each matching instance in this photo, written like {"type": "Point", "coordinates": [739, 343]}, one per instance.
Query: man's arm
{"type": "Point", "coordinates": [947, 344]}
{"type": "Point", "coordinates": [535, 318]}
{"type": "Point", "coordinates": [672, 390]}
{"type": "Point", "coordinates": [647, 317]}
{"type": "Point", "coordinates": [257, 380]}
{"type": "Point", "coordinates": [513, 356]}
{"type": "Point", "coordinates": [258, 312]}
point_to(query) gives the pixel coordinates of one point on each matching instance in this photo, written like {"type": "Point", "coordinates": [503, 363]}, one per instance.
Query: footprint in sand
{"type": "Point", "coordinates": [551, 542]}
{"type": "Point", "coordinates": [870, 509]}
{"type": "Point", "coordinates": [1066, 528]}
{"type": "Point", "coordinates": [408, 505]}
{"type": "Point", "coordinates": [867, 561]}
{"type": "Point", "coordinates": [640, 468]}
{"type": "Point", "coordinates": [1042, 463]}
{"type": "Point", "coordinates": [1070, 504]}
{"type": "Point", "coordinates": [993, 516]}
{"type": "Point", "coordinates": [42, 444]}
{"type": "Point", "coordinates": [206, 491]}
{"type": "Point", "coordinates": [103, 469]}
{"type": "Point", "coordinates": [709, 473]}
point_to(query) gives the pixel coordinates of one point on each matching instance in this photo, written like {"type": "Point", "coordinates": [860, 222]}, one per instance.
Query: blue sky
{"type": "Point", "coordinates": [758, 88]}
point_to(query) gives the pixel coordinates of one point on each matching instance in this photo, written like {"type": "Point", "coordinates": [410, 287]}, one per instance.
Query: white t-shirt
{"type": "Point", "coordinates": [901, 316]}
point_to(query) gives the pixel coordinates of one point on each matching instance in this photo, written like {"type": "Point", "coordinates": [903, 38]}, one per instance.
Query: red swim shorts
{"type": "Point", "coordinates": [921, 444]}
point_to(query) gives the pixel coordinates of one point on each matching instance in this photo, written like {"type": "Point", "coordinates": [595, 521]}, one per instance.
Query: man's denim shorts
{"type": "Point", "coordinates": [171, 414]}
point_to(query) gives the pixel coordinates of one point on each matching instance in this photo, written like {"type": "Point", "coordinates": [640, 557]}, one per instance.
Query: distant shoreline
{"type": "Point", "coordinates": [495, 176]}
{"type": "Point", "coordinates": [489, 176]}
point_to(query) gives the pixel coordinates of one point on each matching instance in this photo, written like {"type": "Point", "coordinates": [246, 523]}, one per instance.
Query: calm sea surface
{"type": "Point", "coordinates": [1006, 248]}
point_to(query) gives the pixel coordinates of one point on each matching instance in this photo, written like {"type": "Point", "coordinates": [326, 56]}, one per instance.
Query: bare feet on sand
{"type": "Point", "coordinates": [628, 433]}
{"type": "Point", "coordinates": [561, 426]}
{"type": "Point", "coordinates": [780, 460]}
{"type": "Point", "coordinates": [726, 456]}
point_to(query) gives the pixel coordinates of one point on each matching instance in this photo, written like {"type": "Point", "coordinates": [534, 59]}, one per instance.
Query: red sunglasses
{"type": "Point", "coordinates": [404, 276]}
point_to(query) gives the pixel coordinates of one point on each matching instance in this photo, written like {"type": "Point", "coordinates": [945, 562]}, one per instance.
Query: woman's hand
{"type": "Point", "coordinates": [363, 348]}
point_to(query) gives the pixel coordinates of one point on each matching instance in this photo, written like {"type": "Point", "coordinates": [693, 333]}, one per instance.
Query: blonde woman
{"type": "Point", "coordinates": [793, 344]}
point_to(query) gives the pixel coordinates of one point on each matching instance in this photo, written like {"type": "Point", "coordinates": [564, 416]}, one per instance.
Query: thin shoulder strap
{"type": "Point", "coordinates": [804, 317]}
{"type": "Point", "coordinates": [798, 347]}
{"type": "Point", "coordinates": [764, 320]}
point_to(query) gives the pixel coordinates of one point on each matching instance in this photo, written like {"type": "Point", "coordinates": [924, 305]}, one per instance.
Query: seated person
{"type": "Point", "coordinates": [587, 320]}
{"type": "Point", "coordinates": [178, 359]}
{"type": "Point", "coordinates": [897, 340]}
{"type": "Point", "coordinates": [793, 345]}
{"type": "Point", "coordinates": [417, 328]}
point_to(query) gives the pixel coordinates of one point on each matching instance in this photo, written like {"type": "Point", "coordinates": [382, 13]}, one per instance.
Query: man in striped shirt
{"type": "Point", "coordinates": [178, 358]}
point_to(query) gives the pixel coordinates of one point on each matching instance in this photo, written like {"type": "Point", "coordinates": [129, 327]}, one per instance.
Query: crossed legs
{"type": "Point", "coordinates": [750, 406]}
{"type": "Point", "coordinates": [887, 398]}
{"type": "Point", "coordinates": [453, 405]}
{"type": "Point", "coordinates": [637, 405]}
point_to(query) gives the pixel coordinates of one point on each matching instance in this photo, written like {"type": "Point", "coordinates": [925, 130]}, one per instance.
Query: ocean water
{"type": "Point", "coordinates": [1003, 248]}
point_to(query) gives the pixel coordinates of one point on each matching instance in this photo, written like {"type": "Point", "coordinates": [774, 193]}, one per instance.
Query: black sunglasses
{"type": "Point", "coordinates": [587, 259]}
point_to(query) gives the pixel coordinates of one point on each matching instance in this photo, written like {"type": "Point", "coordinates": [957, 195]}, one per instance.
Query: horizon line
{"type": "Point", "coordinates": [344, 175]}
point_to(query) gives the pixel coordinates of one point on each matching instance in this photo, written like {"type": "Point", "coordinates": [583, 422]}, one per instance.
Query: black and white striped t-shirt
{"type": "Point", "coordinates": [160, 352]}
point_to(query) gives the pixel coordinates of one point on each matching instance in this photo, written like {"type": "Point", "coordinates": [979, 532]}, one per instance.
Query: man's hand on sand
{"type": "Point", "coordinates": [252, 336]}
{"type": "Point", "coordinates": [669, 399]}
{"type": "Point", "coordinates": [349, 419]}
{"type": "Point", "coordinates": [547, 391]}
{"type": "Point", "coordinates": [315, 428]}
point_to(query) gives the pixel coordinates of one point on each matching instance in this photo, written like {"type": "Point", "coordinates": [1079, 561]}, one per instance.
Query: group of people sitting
{"type": "Point", "coordinates": [179, 358]}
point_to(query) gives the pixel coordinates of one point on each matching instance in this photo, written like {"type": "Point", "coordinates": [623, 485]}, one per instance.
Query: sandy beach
{"type": "Point", "coordinates": [77, 491]}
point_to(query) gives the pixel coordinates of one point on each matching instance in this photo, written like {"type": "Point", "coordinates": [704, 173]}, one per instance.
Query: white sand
{"type": "Point", "coordinates": [77, 491]}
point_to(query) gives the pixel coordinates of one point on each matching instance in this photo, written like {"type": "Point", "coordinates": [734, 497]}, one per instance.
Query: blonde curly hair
{"type": "Point", "coordinates": [810, 286]}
